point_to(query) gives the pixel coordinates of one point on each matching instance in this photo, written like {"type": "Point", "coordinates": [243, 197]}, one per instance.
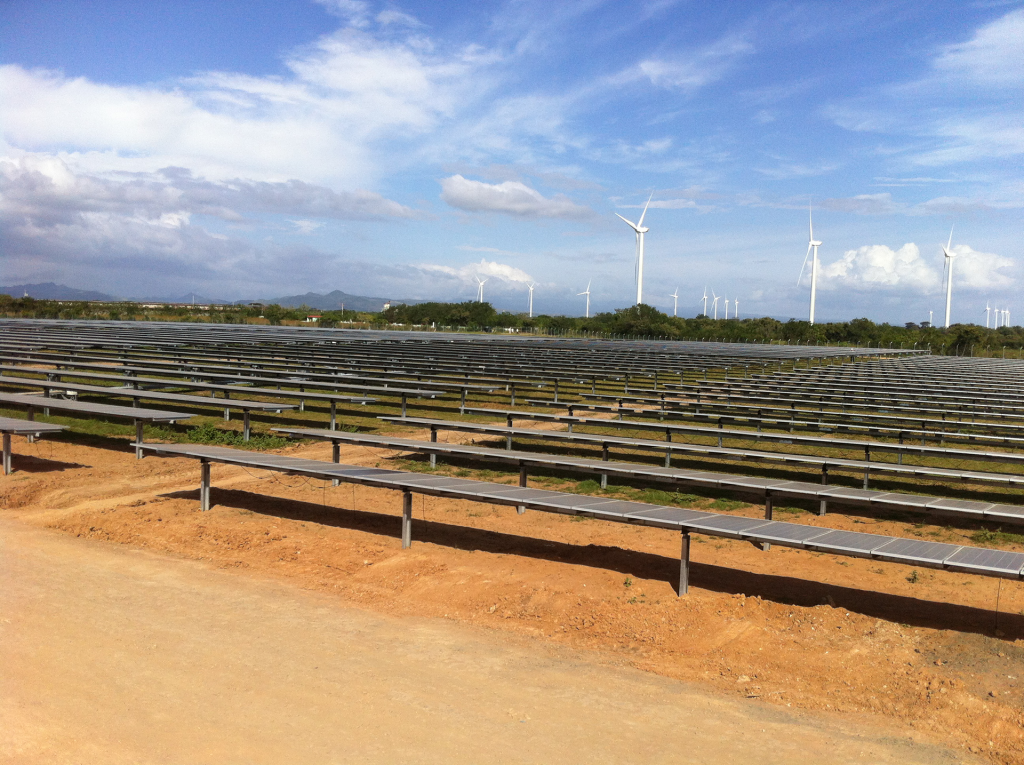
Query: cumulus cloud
{"type": "Point", "coordinates": [878, 267]}
{"type": "Point", "coordinates": [511, 198]}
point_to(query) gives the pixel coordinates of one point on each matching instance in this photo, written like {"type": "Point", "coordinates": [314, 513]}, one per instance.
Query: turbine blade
{"type": "Point", "coordinates": [810, 221]}
{"type": "Point", "coordinates": [801, 276]}
{"type": "Point", "coordinates": [641, 223]}
{"type": "Point", "coordinates": [950, 244]}
{"type": "Point", "coordinates": [631, 224]}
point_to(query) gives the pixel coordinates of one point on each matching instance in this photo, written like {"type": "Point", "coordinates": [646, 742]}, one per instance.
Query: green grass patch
{"type": "Point", "coordinates": [791, 510]}
{"type": "Point", "coordinates": [997, 537]}
{"type": "Point", "coordinates": [728, 505]}
{"type": "Point", "coordinates": [210, 434]}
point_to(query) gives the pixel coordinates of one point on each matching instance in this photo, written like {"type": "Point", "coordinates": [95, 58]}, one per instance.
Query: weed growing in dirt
{"type": "Point", "coordinates": [588, 486]}
{"type": "Point", "coordinates": [210, 434]}
{"type": "Point", "coordinates": [997, 537]}
{"type": "Point", "coordinates": [914, 578]}
{"type": "Point", "coordinates": [628, 582]}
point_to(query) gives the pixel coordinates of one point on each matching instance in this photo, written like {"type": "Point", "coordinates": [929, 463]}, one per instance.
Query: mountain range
{"type": "Point", "coordinates": [332, 301]}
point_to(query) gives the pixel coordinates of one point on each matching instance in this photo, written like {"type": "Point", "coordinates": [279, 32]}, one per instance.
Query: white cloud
{"type": "Point", "coordinates": [968, 107]}
{"type": "Point", "coordinates": [880, 267]}
{"type": "Point", "coordinates": [696, 69]}
{"type": "Point", "coordinates": [877, 267]}
{"type": "Point", "coordinates": [511, 197]}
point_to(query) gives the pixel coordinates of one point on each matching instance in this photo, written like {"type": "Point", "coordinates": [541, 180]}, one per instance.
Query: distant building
{"type": "Point", "coordinates": [314, 317]}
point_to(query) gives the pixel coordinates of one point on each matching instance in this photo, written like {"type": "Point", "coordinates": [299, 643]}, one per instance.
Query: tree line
{"type": "Point", "coordinates": [641, 321]}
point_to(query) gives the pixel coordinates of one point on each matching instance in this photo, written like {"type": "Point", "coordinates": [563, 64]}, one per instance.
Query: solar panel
{"type": "Point", "coordinates": [848, 542]}
{"type": "Point", "coordinates": [975, 560]}
{"type": "Point", "coordinates": [902, 500]}
{"type": "Point", "coordinates": [960, 506]}
{"type": "Point", "coordinates": [915, 551]}
{"type": "Point", "coordinates": [788, 533]}
{"type": "Point", "coordinates": [667, 517]}
{"type": "Point", "coordinates": [1013, 513]}
{"type": "Point", "coordinates": [724, 525]}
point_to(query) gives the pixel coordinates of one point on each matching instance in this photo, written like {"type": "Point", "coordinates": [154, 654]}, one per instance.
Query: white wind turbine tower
{"type": "Point", "coordinates": [640, 231]}
{"type": "Point", "coordinates": [987, 312]}
{"type": "Point", "coordinates": [587, 293]}
{"type": "Point", "coordinates": [675, 305]}
{"type": "Point", "coordinates": [727, 308]}
{"type": "Point", "coordinates": [736, 308]}
{"type": "Point", "coordinates": [714, 303]}
{"type": "Point", "coordinates": [480, 289]}
{"type": "Point", "coordinates": [811, 244]}
{"type": "Point", "coordinates": [949, 273]}
{"type": "Point", "coordinates": [705, 298]}
{"type": "Point", "coordinates": [530, 287]}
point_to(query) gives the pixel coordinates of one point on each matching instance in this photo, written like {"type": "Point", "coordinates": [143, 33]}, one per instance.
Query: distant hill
{"type": "Point", "coordinates": [333, 301]}
{"type": "Point", "coordinates": [51, 291]}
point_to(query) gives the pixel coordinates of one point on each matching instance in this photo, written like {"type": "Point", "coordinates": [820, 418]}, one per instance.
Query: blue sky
{"type": "Point", "coordinates": [261, 148]}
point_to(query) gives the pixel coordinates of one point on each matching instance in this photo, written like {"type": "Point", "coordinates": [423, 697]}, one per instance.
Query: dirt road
{"type": "Point", "coordinates": [118, 655]}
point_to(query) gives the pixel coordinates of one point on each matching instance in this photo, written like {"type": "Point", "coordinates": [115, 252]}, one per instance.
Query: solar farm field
{"type": "Point", "coordinates": [827, 529]}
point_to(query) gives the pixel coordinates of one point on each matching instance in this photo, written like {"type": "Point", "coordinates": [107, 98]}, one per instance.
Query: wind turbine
{"type": "Point", "coordinates": [736, 308]}
{"type": "Point", "coordinates": [714, 304]}
{"type": "Point", "coordinates": [640, 231]}
{"type": "Point", "coordinates": [587, 293]}
{"type": "Point", "coordinates": [675, 305]}
{"type": "Point", "coordinates": [949, 273]}
{"type": "Point", "coordinates": [480, 290]}
{"type": "Point", "coordinates": [530, 287]}
{"type": "Point", "coordinates": [727, 308]}
{"type": "Point", "coordinates": [705, 301]}
{"type": "Point", "coordinates": [811, 244]}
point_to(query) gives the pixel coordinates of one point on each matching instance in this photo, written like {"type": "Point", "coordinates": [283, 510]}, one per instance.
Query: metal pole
{"type": "Point", "coordinates": [334, 415]}
{"type": "Point", "coordinates": [684, 565]}
{"type": "Point", "coordinates": [403, 405]}
{"type": "Point", "coordinates": [245, 424]}
{"type": "Point", "coordinates": [138, 439]}
{"type": "Point", "coordinates": [522, 482]}
{"type": "Point", "coordinates": [823, 507]}
{"type": "Point", "coordinates": [335, 458]}
{"type": "Point", "coordinates": [769, 508]}
{"type": "Point", "coordinates": [7, 453]}
{"type": "Point", "coordinates": [406, 519]}
{"type": "Point", "coordinates": [204, 485]}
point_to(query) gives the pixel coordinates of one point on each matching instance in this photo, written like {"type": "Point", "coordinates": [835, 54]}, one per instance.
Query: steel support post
{"type": "Point", "coordinates": [512, 388]}
{"type": "Point", "coordinates": [556, 390]}
{"type": "Point", "coordinates": [462, 402]}
{"type": "Point", "coordinates": [668, 458]}
{"type": "Point", "coordinates": [334, 415]}
{"type": "Point", "coordinates": [204, 485]}
{"type": "Point", "coordinates": [433, 440]}
{"type": "Point", "coordinates": [335, 458]}
{"type": "Point", "coordinates": [403, 405]}
{"type": "Point", "coordinates": [245, 425]}
{"type": "Point", "coordinates": [7, 453]}
{"type": "Point", "coordinates": [227, 414]}
{"type": "Point", "coordinates": [406, 519]}
{"type": "Point", "coordinates": [823, 507]}
{"type": "Point", "coordinates": [522, 482]}
{"type": "Point", "coordinates": [769, 511]}
{"type": "Point", "coordinates": [867, 470]}
{"type": "Point", "coordinates": [138, 439]}
{"type": "Point", "coordinates": [31, 416]}
{"type": "Point", "coordinates": [684, 565]}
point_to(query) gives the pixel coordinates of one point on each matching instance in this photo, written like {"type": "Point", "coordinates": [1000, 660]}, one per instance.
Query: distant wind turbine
{"type": "Point", "coordinates": [811, 244]}
{"type": "Point", "coordinates": [587, 293]}
{"type": "Point", "coordinates": [949, 273]}
{"type": "Point", "coordinates": [727, 308]}
{"type": "Point", "coordinates": [530, 287]}
{"type": "Point", "coordinates": [714, 303]}
{"type": "Point", "coordinates": [675, 305]}
{"type": "Point", "coordinates": [480, 290]}
{"type": "Point", "coordinates": [640, 231]}
{"type": "Point", "coordinates": [736, 308]}
{"type": "Point", "coordinates": [988, 310]}
{"type": "Point", "coordinates": [705, 299]}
